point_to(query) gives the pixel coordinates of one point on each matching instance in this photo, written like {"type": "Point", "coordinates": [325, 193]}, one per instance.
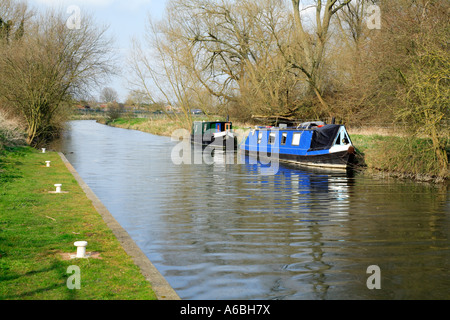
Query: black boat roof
{"type": "Point", "coordinates": [218, 121]}
{"type": "Point", "coordinates": [321, 127]}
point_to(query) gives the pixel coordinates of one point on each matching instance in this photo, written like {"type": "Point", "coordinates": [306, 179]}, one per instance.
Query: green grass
{"type": "Point", "coordinates": [402, 156]}
{"type": "Point", "coordinates": [162, 126]}
{"type": "Point", "coordinates": [158, 125]}
{"type": "Point", "coordinates": [130, 121]}
{"type": "Point", "coordinates": [37, 228]}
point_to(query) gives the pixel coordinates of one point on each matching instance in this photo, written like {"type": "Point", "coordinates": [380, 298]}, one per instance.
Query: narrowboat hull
{"type": "Point", "coordinates": [225, 143]}
{"type": "Point", "coordinates": [336, 160]}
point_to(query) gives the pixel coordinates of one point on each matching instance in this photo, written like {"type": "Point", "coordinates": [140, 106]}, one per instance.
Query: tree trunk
{"type": "Point", "coordinates": [440, 151]}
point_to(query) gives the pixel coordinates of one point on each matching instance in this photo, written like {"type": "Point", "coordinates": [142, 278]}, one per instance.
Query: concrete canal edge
{"type": "Point", "coordinates": [159, 284]}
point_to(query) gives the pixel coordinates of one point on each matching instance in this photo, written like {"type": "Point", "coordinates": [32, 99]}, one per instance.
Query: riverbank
{"type": "Point", "coordinates": [158, 125]}
{"type": "Point", "coordinates": [38, 230]}
{"type": "Point", "coordinates": [383, 154]}
{"type": "Point", "coordinates": [400, 157]}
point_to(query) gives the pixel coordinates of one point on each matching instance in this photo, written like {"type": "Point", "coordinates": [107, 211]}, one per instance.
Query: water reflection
{"type": "Point", "coordinates": [224, 231]}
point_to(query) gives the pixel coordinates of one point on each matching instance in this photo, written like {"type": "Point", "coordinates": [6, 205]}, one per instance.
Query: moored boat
{"type": "Point", "coordinates": [216, 134]}
{"type": "Point", "coordinates": [313, 144]}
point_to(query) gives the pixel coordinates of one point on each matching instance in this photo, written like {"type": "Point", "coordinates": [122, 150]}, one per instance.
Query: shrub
{"type": "Point", "coordinates": [410, 156]}
{"type": "Point", "coordinates": [12, 132]}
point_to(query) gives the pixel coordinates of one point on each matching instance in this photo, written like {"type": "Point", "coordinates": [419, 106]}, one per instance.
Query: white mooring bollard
{"type": "Point", "coordinates": [48, 164]}
{"type": "Point", "coordinates": [58, 188]}
{"type": "Point", "coordinates": [43, 150]}
{"type": "Point", "coordinates": [81, 249]}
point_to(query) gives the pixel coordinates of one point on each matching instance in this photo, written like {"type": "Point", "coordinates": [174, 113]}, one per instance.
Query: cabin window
{"type": "Point", "coordinates": [346, 140]}
{"type": "Point", "coordinates": [284, 138]}
{"type": "Point", "coordinates": [338, 140]}
{"type": "Point", "coordinates": [296, 139]}
{"type": "Point", "coordinates": [272, 138]}
{"type": "Point", "coordinates": [342, 139]}
{"type": "Point", "coordinates": [260, 135]}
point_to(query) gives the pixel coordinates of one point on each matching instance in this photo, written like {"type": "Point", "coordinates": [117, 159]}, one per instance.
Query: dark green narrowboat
{"type": "Point", "coordinates": [217, 134]}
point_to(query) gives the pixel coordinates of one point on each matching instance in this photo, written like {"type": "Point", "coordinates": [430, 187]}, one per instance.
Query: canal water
{"type": "Point", "coordinates": [221, 230]}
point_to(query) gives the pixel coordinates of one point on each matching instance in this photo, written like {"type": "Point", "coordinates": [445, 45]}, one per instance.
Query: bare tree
{"type": "Point", "coordinates": [109, 95]}
{"type": "Point", "coordinates": [220, 52]}
{"type": "Point", "coordinates": [312, 44]}
{"type": "Point", "coordinates": [352, 76]}
{"type": "Point", "coordinates": [137, 98]}
{"type": "Point", "coordinates": [51, 63]}
{"type": "Point", "coordinates": [231, 40]}
{"type": "Point", "coordinates": [159, 66]}
{"type": "Point", "coordinates": [13, 16]}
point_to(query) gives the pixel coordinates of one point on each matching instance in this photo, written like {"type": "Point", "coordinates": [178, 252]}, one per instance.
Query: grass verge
{"type": "Point", "coordinates": [38, 229]}
{"type": "Point", "coordinates": [402, 157]}
{"type": "Point", "coordinates": [161, 126]}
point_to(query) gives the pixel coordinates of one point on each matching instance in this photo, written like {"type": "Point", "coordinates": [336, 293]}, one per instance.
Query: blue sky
{"type": "Point", "coordinates": [126, 19]}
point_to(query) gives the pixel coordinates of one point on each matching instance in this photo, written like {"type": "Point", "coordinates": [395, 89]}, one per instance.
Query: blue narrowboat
{"type": "Point", "coordinates": [310, 144]}
{"type": "Point", "coordinates": [217, 134]}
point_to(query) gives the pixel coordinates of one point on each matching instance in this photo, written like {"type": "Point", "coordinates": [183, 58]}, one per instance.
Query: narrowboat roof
{"type": "Point", "coordinates": [323, 138]}
{"type": "Point", "coordinates": [299, 128]}
{"type": "Point", "coordinates": [212, 122]}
